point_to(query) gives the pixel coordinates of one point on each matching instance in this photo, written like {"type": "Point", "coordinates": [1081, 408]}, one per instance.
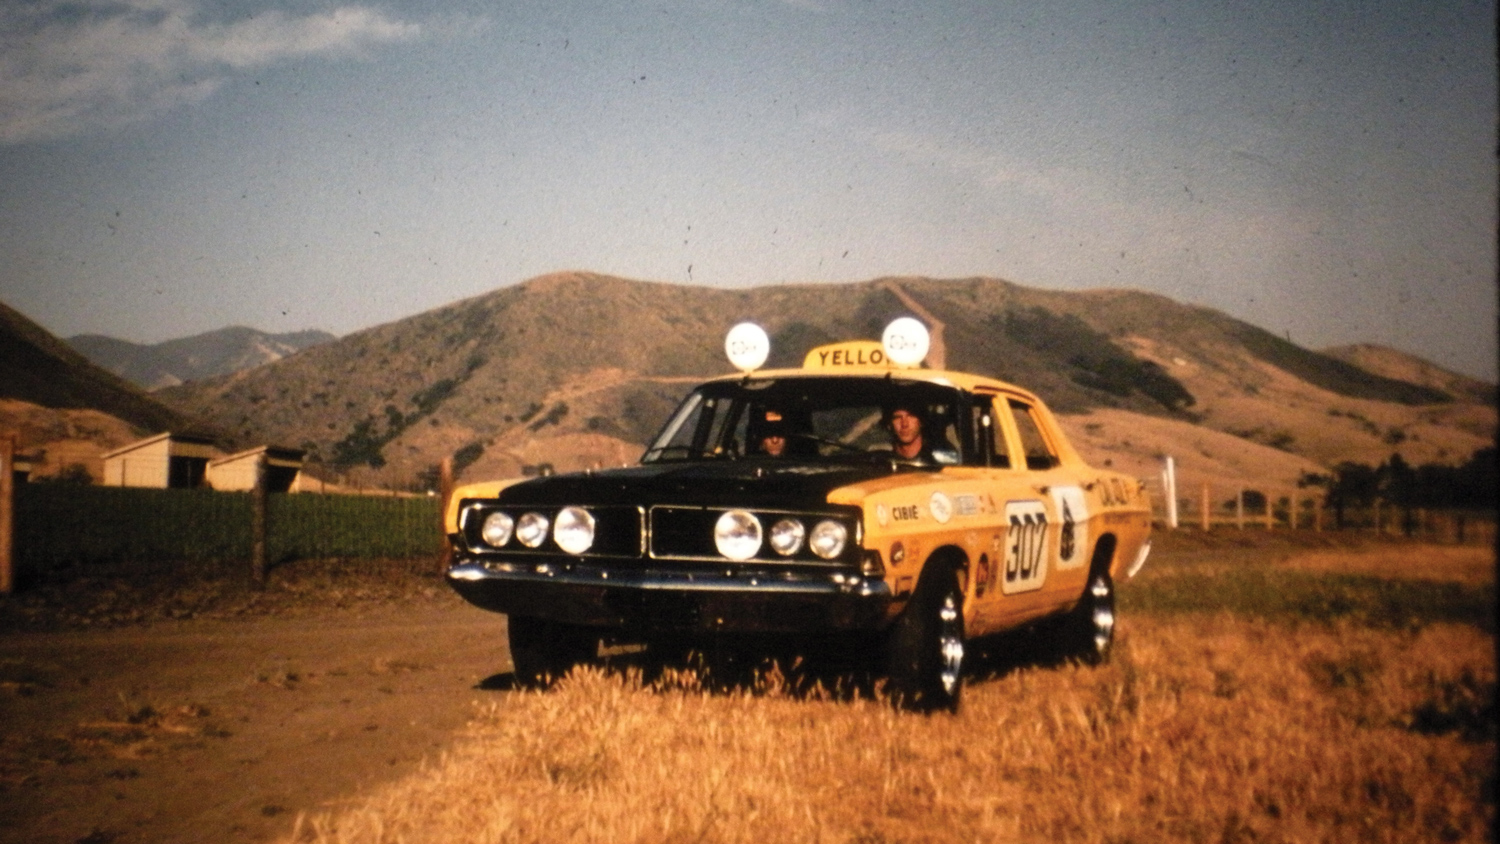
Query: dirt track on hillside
{"type": "Point", "coordinates": [223, 730]}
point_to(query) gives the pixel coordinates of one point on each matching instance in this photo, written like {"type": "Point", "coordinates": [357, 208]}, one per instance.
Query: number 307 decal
{"type": "Point", "coordinates": [1025, 541]}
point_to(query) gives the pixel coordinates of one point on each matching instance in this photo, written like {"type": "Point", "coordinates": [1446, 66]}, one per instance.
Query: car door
{"type": "Point", "coordinates": [1013, 568]}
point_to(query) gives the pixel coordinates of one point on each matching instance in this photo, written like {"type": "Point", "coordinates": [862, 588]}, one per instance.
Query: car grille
{"type": "Point", "coordinates": [687, 533]}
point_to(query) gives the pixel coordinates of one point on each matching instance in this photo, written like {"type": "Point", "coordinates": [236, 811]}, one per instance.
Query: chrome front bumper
{"type": "Point", "coordinates": [655, 600]}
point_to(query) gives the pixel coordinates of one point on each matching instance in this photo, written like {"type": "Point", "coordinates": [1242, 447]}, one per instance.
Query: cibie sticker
{"type": "Point", "coordinates": [1025, 540]}
{"type": "Point", "coordinates": [1073, 534]}
{"type": "Point", "coordinates": [940, 507]}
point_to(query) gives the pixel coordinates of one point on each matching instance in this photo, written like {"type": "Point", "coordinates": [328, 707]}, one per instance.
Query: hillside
{"type": "Point", "coordinates": [62, 406]}
{"type": "Point", "coordinates": [576, 369]}
{"type": "Point", "coordinates": [38, 368]}
{"type": "Point", "coordinates": [221, 352]}
{"type": "Point", "coordinates": [1393, 363]}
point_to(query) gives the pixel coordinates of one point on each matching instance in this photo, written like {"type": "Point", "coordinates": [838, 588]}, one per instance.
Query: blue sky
{"type": "Point", "coordinates": [1326, 170]}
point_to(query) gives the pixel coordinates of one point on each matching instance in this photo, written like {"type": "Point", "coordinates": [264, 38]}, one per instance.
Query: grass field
{"type": "Point", "coordinates": [1259, 692]}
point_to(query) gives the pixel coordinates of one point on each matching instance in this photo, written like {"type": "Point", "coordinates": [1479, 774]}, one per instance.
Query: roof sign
{"type": "Point", "coordinates": [855, 353]}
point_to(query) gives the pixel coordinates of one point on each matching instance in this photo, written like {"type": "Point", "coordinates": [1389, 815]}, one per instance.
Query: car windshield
{"type": "Point", "coordinates": [830, 419]}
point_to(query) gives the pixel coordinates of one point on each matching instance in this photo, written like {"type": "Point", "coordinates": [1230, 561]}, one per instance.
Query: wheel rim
{"type": "Point", "coordinates": [1101, 592]}
{"type": "Point", "coordinates": [950, 643]}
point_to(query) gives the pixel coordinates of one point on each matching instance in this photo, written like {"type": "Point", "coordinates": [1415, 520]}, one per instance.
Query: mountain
{"type": "Point", "coordinates": [64, 407]}
{"type": "Point", "coordinates": [578, 369]}
{"type": "Point", "coordinates": [220, 352]}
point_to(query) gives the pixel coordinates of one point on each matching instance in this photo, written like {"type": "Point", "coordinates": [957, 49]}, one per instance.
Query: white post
{"type": "Point", "coordinates": [1169, 483]}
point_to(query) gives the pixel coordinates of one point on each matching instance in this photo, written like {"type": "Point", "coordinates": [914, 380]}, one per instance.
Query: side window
{"type": "Point", "coordinates": [990, 436]}
{"type": "Point", "coordinates": [719, 426]}
{"type": "Point", "coordinates": [1039, 454]}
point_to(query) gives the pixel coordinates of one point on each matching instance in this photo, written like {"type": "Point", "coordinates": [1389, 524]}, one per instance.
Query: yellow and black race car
{"type": "Point", "coordinates": [859, 498]}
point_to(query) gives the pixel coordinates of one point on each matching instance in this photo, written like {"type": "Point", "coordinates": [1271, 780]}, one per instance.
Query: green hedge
{"type": "Point", "coordinates": [60, 524]}
{"type": "Point", "coordinates": [316, 526]}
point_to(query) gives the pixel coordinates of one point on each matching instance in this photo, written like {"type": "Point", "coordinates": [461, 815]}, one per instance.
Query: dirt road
{"type": "Point", "coordinates": [223, 730]}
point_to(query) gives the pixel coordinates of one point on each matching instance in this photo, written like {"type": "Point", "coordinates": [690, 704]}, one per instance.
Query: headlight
{"type": "Point", "coordinates": [787, 536]}
{"type": "Point", "coordinates": [828, 538]}
{"type": "Point", "coordinates": [737, 535]}
{"type": "Point", "coordinates": [574, 531]}
{"type": "Point", "coordinates": [532, 529]}
{"type": "Point", "coordinates": [497, 529]}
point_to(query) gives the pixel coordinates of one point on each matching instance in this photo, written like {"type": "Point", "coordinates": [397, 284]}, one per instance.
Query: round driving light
{"type": "Point", "coordinates": [787, 536]}
{"type": "Point", "coordinates": [906, 342]}
{"type": "Point", "coordinates": [737, 535]}
{"type": "Point", "coordinates": [747, 346]}
{"type": "Point", "coordinates": [574, 530]}
{"type": "Point", "coordinates": [531, 529]}
{"type": "Point", "coordinates": [497, 529]}
{"type": "Point", "coordinates": [828, 538]}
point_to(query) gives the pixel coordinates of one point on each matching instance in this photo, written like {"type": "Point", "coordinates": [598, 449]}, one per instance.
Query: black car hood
{"type": "Point", "coordinates": [715, 483]}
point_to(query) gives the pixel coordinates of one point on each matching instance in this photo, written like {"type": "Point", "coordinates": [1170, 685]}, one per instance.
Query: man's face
{"type": "Point", "coordinates": [773, 445]}
{"type": "Point", "coordinates": [905, 427]}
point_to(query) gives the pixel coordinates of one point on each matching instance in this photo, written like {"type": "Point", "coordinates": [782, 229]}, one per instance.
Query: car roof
{"type": "Point", "coordinates": [941, 377]}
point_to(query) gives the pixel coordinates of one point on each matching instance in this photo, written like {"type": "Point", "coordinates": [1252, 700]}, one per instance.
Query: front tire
{"type": "Point", "coordinates": [924, 654]}
{"type": "Point", "coordinates": [542, 651]}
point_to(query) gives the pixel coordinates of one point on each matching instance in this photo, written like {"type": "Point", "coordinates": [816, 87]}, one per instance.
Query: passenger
{"type": "Point", "coordinates": [905, 425]}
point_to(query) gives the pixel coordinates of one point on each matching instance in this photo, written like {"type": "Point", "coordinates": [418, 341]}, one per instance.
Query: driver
{"type": "Point", "coordinates": [773, 434]}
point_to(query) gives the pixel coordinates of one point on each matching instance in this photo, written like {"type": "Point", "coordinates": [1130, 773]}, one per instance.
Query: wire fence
{"type": "Point", "coordinates": [63, 525]}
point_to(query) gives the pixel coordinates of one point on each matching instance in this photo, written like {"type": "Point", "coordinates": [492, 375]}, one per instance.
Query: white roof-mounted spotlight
{"type": "Point", "coordinates": [747, 346]}
{"type": "Point", "coordinates": [906, 342]}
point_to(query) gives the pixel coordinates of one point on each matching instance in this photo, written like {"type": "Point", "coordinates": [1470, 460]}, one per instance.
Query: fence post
{"type": "Point", "coordinates": [445, 492]}
{"type": "Point", "coordinates": [1169, 482]}
{"type": "Point", "coordinates": [258, 524]}
{"type": "Point", "coordinates": [7, 513]}
{"type": "Point", "coordinates": [1317, 514]}
{"type": "Point", "coordinates": [1239, 509]}
{"type": "Point", "coordinates": [1205, 510]}
{"type": "Point", "coordinates": [1270, 512]}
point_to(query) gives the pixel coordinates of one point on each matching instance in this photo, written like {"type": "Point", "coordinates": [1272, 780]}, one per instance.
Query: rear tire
{"type": "Point", "coordinates": [543, 651]}
{"type": "Point", "coordinates": [924, 651]}
{"type": "Point", "coordinates": [1089, 630]}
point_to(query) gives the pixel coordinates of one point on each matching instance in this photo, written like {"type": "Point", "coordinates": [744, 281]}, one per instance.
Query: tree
{"type": "Point", "coordinates": [1352, 484]}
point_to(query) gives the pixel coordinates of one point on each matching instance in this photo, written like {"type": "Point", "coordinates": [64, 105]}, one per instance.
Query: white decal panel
{"type": "Point", "coordinates": [941, 507]}
{"type": "Point", "coordinates": [1025, 543]}
{"type": "Point", "coordinates": [1073, 537]}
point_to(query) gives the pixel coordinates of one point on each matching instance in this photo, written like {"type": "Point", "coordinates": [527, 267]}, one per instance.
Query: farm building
{"type": "Point", "coordinates": [236, 472]}
{"type": "Point", "coordinates": [165, 461]}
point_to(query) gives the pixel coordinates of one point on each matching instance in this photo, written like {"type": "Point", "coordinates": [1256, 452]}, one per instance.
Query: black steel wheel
{"type": "Point", "coordinates": [543, 651]}
{"type": "Point", "coordinates": [924, 651]}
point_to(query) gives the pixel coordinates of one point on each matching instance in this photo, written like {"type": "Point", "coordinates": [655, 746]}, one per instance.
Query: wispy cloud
{"type": "Point", "coordinates": [67, 67]}
{"type": "Point", "coordinates": [985, 165]}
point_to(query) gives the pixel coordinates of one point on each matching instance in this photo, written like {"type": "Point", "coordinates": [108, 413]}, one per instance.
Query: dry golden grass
{"type": "Point", "coordinates": [1469, 565]}
{"type": "Point", "coordinates": [1207, 727]}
